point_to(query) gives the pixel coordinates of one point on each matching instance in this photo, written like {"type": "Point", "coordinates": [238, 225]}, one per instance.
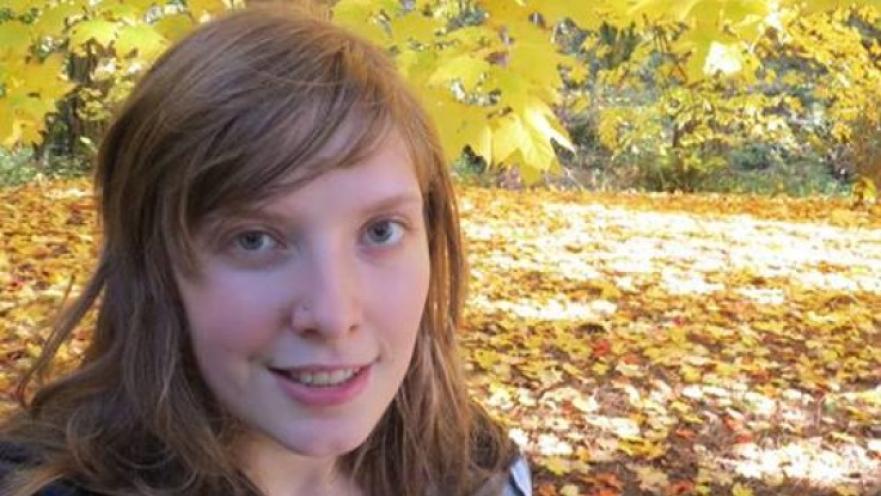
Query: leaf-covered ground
{"type": "Point", "coordinates": [635, 344]}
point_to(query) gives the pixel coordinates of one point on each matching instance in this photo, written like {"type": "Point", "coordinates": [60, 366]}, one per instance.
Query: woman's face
{"type": "Point", "coordinates": [306, 312]}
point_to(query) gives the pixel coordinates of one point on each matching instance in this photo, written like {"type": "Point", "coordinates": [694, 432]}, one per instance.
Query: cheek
{"type": "Point", "coordinates": [231, 314]}
{"type": "Point", "coordinates": [402, 296]}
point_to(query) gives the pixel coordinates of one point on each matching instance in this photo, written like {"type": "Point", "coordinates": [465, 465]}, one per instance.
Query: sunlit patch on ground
{"type": "Point", "coordinates": [687, 349]}
{"type": "Point", "coordinates": [806, 460]}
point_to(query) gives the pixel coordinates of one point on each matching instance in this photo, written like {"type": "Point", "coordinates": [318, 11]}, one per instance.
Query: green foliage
{"type": "Point", "coordinates": [19, 167]}
{"type": "Point", "coordinates": [753, 157]}
{"type": "Point", "coordinates": [470, 169]}
{"type": "Point", "coordinates": [796, 177]}
{"type": "Point", "coordinates": [15, 168]}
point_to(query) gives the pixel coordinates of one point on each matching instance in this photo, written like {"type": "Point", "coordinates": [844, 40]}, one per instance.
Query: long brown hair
{"type": "Point", "coordinates": [236, 112]}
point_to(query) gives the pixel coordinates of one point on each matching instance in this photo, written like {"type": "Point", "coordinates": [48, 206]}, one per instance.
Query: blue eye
{"type": "Point", "coordinates": [386, 232]}
{"type": "Point", "coordinates": [254, 241]}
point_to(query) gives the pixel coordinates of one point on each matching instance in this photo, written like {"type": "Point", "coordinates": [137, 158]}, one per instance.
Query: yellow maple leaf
{"type": "Point", "coordinates": [741, 490]}
{"type": "Point", "coordinates": [556, 465]}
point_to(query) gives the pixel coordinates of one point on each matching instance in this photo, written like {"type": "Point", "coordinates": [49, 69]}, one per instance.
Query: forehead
{"type": "Point", "coordinates": [384, 177]}
{"type": "Point", "coordinates": [387, 171]}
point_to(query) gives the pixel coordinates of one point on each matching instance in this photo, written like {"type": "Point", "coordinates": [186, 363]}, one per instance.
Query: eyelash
{"type": "Point", "coordinates": [238, 236]}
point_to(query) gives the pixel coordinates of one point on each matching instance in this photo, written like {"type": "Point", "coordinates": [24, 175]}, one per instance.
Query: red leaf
{"type": "Point", "coordinates": [601, 348]}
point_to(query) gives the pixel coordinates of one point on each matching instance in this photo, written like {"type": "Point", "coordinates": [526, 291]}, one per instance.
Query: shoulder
{"type": "Point", "coordinates": [519, 479]}
{"type": "Point", "coordinates": [16, 456]}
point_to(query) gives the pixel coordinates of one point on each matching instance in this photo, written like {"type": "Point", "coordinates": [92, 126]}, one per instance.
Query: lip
{"type": "Point", "coordinates": [323, 396]}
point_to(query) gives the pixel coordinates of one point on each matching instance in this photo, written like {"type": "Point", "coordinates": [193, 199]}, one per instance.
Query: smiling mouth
{"type": "Point", "coordinates": [321, 378]}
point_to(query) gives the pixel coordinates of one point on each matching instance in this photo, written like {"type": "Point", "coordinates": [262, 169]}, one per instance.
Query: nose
{"type": "Point", "coordinates": [329, 305]}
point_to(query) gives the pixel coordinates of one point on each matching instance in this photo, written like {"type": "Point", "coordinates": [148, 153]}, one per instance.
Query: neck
{"type": "Point", "coordinates": [277, 471]}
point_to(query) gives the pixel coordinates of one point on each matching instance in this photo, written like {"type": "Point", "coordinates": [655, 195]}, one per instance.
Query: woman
{"type": "Point", "coordinates": [281, 277]}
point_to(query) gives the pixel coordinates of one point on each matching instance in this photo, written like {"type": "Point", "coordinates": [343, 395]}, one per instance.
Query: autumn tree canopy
{"type": "Point", "coordinates": [681, 84]}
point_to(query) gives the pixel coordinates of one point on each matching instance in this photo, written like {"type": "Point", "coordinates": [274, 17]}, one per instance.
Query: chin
{"type": "Point", "coordinates": [318, 446]}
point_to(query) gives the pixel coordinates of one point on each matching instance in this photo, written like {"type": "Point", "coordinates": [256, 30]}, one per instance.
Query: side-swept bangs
{"type": "Point", "coordinates": [249, 106]}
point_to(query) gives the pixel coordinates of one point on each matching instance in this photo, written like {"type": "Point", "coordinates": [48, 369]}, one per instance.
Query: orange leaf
{"type": "Point", "coordinates": [605, 492]}
{"type": "Point", "coordinates": [744, 437]}
{"type": "Point", "coordinates": [734, 425]}
{"type": "Point", "coordinates": [685, 433]}
{"type": "Point", "coordinates": [680, 487]}
{"type": "Point", "coordinates": [631, 359]}
{"type": "Point", "coordinates": [546, 489]}
{"type": "Point", "coordinates": [609, 479]}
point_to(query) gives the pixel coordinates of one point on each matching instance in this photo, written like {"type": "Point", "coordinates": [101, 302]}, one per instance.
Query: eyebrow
{"type": "Point", "coordinates": [398, 200]}
{"type": "Point", "coordinates": [393, 201]}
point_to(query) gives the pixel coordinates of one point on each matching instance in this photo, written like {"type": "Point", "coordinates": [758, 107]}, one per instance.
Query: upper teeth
{"type": "Point", "coordinates": [323, 378]}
